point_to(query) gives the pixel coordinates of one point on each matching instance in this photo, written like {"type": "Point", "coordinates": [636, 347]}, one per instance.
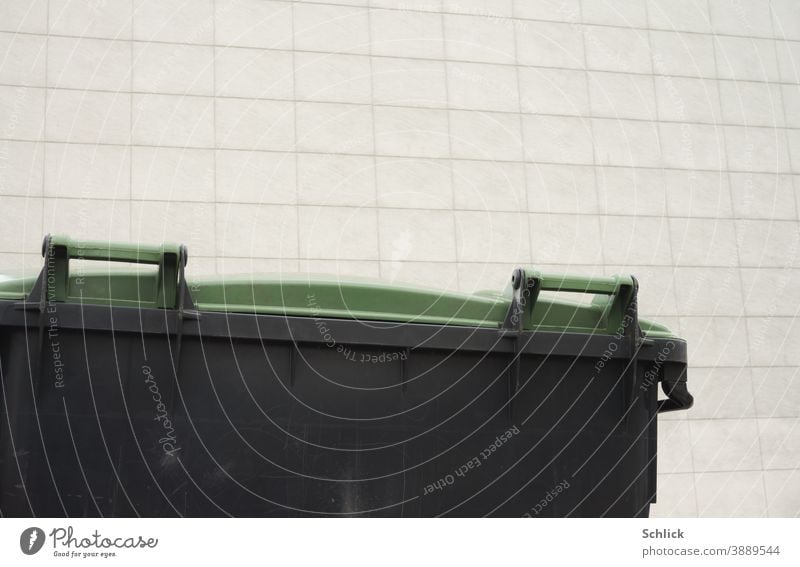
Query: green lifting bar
{"type": "Point", "coordinates": [59, 250]}
{"type": "Point", "coordinates": [526, 284]}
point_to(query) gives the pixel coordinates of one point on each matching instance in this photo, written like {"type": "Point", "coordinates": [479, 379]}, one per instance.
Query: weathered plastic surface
{"type": "Point", "coordinates": [145, 395]}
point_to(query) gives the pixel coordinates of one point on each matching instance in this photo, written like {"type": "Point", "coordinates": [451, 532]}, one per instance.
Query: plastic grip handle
{"type": "Point", "coordinates": [111, 251]}
{"type": "Point", "coordinates": [170, 259]}
{"type": "Point", "coordinates": [673, 383]}
{"type": "Point", "coordinates": [525, 286]}
{"type": "Point", "coordinates": [580, 284]}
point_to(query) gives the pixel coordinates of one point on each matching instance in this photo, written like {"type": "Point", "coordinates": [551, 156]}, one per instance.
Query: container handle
{"type": "Point", "coordinates": [57, 250]}
{"type": "Point", "coordinates": [678, 396]}
{"type": "Point", "coordinates": [600, 285]}
{"type": "Point", "coordinates": [527, 284]}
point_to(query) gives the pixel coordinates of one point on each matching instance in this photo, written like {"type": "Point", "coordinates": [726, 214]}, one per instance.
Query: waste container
{"type": "Point", "coordinates": [143, 394]}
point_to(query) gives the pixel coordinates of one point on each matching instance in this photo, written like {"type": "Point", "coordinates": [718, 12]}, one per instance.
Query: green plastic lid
{"type": "Point", "coordinates": [321, 296]}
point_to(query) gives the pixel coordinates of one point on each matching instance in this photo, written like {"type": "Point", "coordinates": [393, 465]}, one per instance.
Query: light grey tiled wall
{"type": "Point", "coordinates": [442, 142]}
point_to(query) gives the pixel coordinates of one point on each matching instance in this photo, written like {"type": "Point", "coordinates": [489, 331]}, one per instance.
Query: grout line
{"type": "Point", "coordinates": [717, 125]}
{"type": "Point", "coordinates": [375, 188]}
{"type": "Point", "coordinates": [741, 279]}
{"type": "Point", "coordinates": [295, 136]}
{"type": "Point", "coordinates": [44, 118]}
{"type": "Point", "coordinates": [672, 252]}
{"type": "Point", "coordinates": [754, 366]}
{"type": "Point", "coordinates": [596, 167]}
{"type": "Point", "coordinates": [428, 59]}
{"type": "Point", "coordinates": [457, 210]}
{"type": "Point", "coordinates": [214, 124]}
{"type": "Point", "coordinates": [487, 14]}
{"type": "Point", "coordinates": [738, 265]}
{"type": "Point", "coordinates": [525, 182]}
{"type": "Point", "coordinates": [400, 157]}
{"type": "Point", "coordinates": [727, 471]}
{"type": "Point", "coordinates": [450, 150]}
{"type": "Point", "coordinates": [130, 132]}
{"type": "Point", "coordinates": [738, 419]}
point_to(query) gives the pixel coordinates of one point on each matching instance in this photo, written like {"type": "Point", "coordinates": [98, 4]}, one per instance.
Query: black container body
{"type": "Point", "coordinates": [144, 413]}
